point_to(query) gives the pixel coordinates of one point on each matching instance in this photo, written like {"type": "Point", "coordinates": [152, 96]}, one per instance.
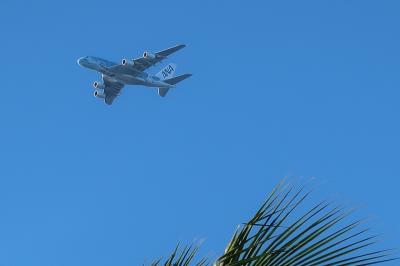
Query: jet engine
{"type": "Point", "coordinates": [126, 62]}
{"type": "Point", "coordinates": [99, 94]}
{"type": "Point", "coordinates": [148, 55]}
{"type": "Point", "coordinates": [98, 85]}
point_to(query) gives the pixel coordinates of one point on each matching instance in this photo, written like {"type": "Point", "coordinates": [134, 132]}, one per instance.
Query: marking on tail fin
{"type": "Point", "coordinates": [167, 72]}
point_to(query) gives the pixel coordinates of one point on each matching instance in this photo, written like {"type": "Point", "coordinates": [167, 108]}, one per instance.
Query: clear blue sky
{"type": "Point", "coordinates": [305, 89]}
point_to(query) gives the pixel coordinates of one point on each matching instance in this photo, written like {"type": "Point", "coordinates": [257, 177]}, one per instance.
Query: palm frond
{"type": "Point", "coordinates": [280, 234]}
{"type": "Point", "coordinates": [181, 257]}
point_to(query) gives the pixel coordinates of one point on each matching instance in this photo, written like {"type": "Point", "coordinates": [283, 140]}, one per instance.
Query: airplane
{"type": "Point", "coordinates": [132, 72]}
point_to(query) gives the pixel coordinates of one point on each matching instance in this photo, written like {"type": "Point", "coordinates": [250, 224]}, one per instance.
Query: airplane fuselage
{"type": "Point", "coordinates": [130, 77]}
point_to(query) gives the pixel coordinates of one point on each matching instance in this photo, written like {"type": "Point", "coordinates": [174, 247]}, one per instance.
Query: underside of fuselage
{"type": "Point", "coordinates": [148, 81]}
{"type": "Point", "coordinates": [125, 77]}
{"type": "Point", "coordinates": [139, 78]}
{"type": "Point", "coordinates": [129, 79]}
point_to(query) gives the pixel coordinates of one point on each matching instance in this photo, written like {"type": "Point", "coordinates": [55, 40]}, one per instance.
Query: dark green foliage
{"type": "Point", "coordinates": [182, 258]}
{"type": "Point", "coordinates": [283, 233]}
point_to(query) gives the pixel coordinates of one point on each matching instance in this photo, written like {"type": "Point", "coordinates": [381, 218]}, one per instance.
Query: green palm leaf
{"type": "Point", "coordinates": [284, 233]}
{"type": "Point", "coordinates": [278, 236]}
{"type": "Point", "coordinates": [181, 258]}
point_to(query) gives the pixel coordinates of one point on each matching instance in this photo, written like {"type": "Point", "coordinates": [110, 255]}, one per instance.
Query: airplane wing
{"type": "Point", "coordinates": [111, 90]}
{"type": "Point", "coordinates": [142, 63]}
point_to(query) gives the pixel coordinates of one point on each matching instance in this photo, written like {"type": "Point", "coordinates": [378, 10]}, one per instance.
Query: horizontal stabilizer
{"type": "Point", "coordinates": [162, 91]}
{"type": "Point", "coordinates": [174, 80]}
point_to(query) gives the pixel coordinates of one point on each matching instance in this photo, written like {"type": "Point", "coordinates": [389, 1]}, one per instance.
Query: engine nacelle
{"type": "Point", "coordinates": [98, 85]}
{"type": "Point", "coordinates": [148, 55]}
{"type": "Point", "coordinates": [127, 62]}
{"type": "Point", "coordinates": [99, 94]}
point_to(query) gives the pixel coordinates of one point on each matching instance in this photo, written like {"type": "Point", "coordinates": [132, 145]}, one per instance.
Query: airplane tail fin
{"type": "Point", "coordinates": [172, 81]}
{"type": "Point", "coordinates": [167, 72]}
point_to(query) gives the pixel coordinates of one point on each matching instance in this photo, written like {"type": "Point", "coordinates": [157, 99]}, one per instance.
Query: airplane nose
{"type": "Point", "coordinates": [80, 61]}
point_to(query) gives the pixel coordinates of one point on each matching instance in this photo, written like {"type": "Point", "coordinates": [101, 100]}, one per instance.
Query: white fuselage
{"type": "Point", "coordinates": [130, 77]}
